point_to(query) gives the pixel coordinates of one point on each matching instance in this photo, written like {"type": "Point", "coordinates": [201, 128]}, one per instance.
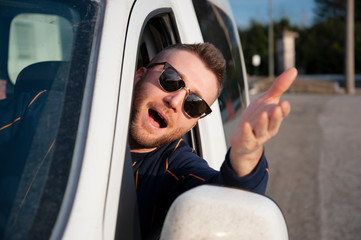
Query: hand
{"type": "Point", "coordinates": [259, 122]}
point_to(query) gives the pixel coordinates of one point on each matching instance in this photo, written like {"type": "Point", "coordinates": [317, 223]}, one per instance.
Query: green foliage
{"type": "Point", "coordinates": [319, 48]}
{"type": "Point", "coordinates": [255, 40]}
{"type": "Point", "coordinates": [329, 9]}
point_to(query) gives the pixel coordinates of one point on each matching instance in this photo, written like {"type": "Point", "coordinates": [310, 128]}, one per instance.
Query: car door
{"type": "Point", "coordinates": [152, 26]}
{"type": "Point", "coordinates": [102, 206]}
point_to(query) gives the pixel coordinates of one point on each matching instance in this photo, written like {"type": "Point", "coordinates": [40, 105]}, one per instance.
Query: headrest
{"type": "Point", "coordinates": [41, 76]}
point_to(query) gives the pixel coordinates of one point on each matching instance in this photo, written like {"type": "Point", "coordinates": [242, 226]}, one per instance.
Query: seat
{"type": "Point", "coordinates": [40, 76]}
{"type": "Point", "coordinates": [26, 154]}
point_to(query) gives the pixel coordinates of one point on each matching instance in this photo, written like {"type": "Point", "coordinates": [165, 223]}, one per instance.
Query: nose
{"type": "Point", "coordinates": [174, 100]}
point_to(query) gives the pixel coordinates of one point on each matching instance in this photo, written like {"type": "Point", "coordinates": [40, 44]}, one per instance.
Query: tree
{"type": "Point", "coordinates": [334, 9]}
{"type": "Point", "coordinates": [255, 41]}
{"type": "Point", "coordinates": [330, 43]}
{"type": "Point", "coordinates": [319, 48]}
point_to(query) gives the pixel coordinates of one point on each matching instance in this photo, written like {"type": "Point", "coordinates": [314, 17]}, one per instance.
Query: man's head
{"type": "Point", "coordinates": [206, 52]}
{"type": "Point", "coordinates": [161, 114]}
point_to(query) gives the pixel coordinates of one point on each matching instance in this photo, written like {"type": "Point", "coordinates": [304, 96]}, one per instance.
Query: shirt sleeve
{"type": "Point", "coordinates": [255, 182]}
{"type": "Point", "coordinates": [194, 171]}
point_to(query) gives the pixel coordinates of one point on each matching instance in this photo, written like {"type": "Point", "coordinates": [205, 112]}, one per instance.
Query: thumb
{"type": "Point", "coordinates": [282, 83]}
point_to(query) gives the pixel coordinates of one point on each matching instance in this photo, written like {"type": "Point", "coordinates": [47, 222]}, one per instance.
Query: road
{"type": "Point", "coordinates": [315, 172]}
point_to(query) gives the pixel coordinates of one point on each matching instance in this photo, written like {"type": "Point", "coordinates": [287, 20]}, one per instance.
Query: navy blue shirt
{"type": "Point", "coordinates": [168, 171]}
{"type": "Point", "coordinates": [18, 120]}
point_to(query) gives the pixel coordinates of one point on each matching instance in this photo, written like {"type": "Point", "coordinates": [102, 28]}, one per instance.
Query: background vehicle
{"type": "Point", "coordinates": [65, 173]}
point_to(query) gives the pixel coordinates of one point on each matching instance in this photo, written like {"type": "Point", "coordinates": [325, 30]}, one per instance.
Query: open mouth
{"type": "Point", "coordinates": [157, 119]}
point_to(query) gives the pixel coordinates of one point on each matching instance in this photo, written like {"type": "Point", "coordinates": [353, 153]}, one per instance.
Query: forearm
{"type": "Point", "coordinates": [244, 164]}
{"type": "Point", "coordinates": [256, 181]}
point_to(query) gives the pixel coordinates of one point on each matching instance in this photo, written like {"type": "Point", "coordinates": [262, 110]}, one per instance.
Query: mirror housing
{"type": "Point", "coordinates": [212, 212]}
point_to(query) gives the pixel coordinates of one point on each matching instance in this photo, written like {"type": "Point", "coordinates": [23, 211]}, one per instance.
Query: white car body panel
{"type": "Point", "coordinates": [87, 216]}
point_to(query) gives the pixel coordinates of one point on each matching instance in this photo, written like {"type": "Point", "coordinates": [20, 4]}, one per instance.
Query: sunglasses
{"type": "Point", "coordinates": [171, 81]}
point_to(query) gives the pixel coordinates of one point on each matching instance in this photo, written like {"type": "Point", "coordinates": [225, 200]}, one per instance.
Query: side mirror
{"type": "Point", "coordinates": [211, 212]}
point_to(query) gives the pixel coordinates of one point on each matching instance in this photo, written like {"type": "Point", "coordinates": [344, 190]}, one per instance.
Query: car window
{"type": "Point", "coordinates": [38, 37]}
{"type": "Point", "coordinates": [45, 52]}
{"type": "Point", "coordinates": [217, 28]}
{"type": "Point", "coordinates": [159, 32]}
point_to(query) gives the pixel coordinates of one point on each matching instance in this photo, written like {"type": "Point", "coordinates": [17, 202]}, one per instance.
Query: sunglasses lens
{"type": "Point", "coordinates": [195, 107]}
{"type": "Point", "coordinates": [170, 80]}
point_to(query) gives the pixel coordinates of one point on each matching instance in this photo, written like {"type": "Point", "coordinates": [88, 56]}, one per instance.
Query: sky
{"type": "Point", "coordinates": [299, 12]}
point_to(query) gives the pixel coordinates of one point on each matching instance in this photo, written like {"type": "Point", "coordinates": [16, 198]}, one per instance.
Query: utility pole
{"type": "Point", "coordinates": [270, 42]}
{"type": "Point", "coordinates": [350, 48]}
{"type": "Point", "coordinates": [271, 73]}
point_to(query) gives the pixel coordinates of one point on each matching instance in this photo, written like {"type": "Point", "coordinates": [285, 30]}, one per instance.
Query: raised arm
{"type": "Point", "coordinates": [259, 123]}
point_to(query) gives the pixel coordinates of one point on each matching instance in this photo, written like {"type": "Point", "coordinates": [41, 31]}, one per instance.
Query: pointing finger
{"type": "Point", "coordinates": [282, 83]}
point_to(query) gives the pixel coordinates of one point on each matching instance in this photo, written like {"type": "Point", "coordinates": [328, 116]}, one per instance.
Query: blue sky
{"type": "Point", "coordinates": [299, 12]}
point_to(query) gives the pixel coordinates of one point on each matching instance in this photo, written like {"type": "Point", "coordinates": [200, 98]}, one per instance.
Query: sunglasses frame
{"type": "Point", "coordinates": [189, 92]}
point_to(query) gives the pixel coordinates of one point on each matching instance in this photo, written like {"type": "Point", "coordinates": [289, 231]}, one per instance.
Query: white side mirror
{"type": "Point", "coordinates": [210, 212]}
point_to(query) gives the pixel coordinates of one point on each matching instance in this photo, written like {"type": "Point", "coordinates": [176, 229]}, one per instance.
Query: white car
{"type": "Point", "coordinates": [66, 82]}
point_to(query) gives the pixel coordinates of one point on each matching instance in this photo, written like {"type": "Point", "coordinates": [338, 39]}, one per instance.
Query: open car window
{"type": "Point", "coordinates": [159, 32]}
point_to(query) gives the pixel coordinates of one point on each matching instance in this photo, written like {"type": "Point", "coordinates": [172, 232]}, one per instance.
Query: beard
{"type": "Point", "coordinates": [142, 139]}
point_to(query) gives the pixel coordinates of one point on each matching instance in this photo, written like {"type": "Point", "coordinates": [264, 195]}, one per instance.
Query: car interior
{"type": "Point", "coordinates": [33, 175]}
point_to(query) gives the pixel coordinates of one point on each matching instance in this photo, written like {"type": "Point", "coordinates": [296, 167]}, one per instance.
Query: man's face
{"type": "Point", "coordinates": [158, 116]}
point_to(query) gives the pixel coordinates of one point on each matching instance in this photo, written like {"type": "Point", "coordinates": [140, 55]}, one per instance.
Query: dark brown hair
{"type": "Point", "coordinates": [208, 54]}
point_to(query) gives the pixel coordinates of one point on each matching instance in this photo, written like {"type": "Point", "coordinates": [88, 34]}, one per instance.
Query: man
{"type": "Point", "coordinates": [171, 95]}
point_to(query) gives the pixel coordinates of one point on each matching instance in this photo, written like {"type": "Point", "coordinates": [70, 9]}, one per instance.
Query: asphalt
{"type": "Point", "coordinates": [315, 173]}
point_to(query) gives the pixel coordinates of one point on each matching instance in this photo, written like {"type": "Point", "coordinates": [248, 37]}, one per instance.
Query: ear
{"type": "Point", "coordinates": [139, 74]}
